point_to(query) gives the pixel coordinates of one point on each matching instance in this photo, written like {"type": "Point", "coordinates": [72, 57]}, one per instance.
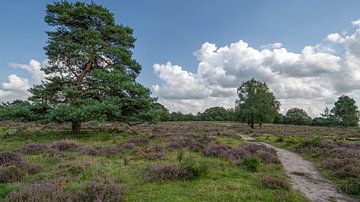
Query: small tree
{"type": "Point", "coordinates": [346, 111]}
{"type": "Point", "coordinates": [297, 116]}
{"type": "Point", "coordinates": [256, 103]}
{"type": "Point", "coordinates": [90, 72]}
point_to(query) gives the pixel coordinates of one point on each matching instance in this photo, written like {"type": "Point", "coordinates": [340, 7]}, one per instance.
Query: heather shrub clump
{"type": "Point", "coordinates": [10, 158]}
{"type": "Point", "coordinates": [168, 172]}
{"type": "Point", "coordinates": [11, 174]}
{"type": "Point", "coordinates": [13, 168]}
{"type": "Point", "coordinates": [49, 191]}
{"type": "Point", "coordinates": [100, 191]}
{"type": "Point", "coordinates": [64, 145]}
{"type": "Point", "coordinates": [152, 153]}
{"type": "Point", "coordinates": [273, 183]}
{"type": "Point", "coordinates": [32, 148]}
{"type": "Point", "coordinates": [266, 155]}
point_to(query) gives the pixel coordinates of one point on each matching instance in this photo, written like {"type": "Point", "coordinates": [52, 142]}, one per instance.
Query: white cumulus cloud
{"type": "Point", "coordinates": [311, 79]}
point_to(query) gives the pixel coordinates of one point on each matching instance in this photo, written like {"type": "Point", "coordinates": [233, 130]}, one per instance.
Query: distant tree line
{"type": "Point", "coordinates": [256, 104]}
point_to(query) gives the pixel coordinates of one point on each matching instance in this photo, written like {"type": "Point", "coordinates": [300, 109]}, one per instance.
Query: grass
{"type": "Point", "coordinates": [224, 181]}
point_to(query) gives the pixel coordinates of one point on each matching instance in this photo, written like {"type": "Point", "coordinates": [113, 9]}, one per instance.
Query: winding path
{"type": "Point", "coordinates": [305, 177]}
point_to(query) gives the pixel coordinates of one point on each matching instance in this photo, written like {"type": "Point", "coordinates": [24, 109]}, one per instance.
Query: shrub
{"type": "Point", "coordinates": [168, 172]}
{"type": "Point", "coordinates": [195, 166]}
{"type": "Point", "coordinates": [273, 183]}
{"type": "Point", "coordinates": [351, 186]}
{"type": "Point", "coordinates": [100, 191]}
{"type": "Point", "coordinates": [64, 145]}
{"type": "Point", "coordinates": [11, 174]}
{"type": "Point", "coordinates": [152, 153]}
{"type": "Point", "coordinates": [32, 148]}
{"type": "Point", "coordinates": [268, 157]}
{"type": "Point", "coordinates": [73, 168]}
{"type": "Point", "coordinates": [10, 158]}
{"type": "Point", "coordinates": [13, 168]}
{"type": "Point", "coordinates": [49, 191]}
{"type": "Point", "coordinates": [251, 164]}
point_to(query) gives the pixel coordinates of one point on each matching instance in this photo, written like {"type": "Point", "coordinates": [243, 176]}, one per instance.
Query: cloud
{"type": "Point", "coordinates": [311, 79]}
{"type": "Point", "coordinates": [34, 67]}
{"type": "Point", "coordinates": [17, 87]}
{"type": "Point", "coordinates": [14, 88]}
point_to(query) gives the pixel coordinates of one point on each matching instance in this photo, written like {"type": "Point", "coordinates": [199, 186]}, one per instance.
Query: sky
{"type": "Point", "coordinates": [194, 54]}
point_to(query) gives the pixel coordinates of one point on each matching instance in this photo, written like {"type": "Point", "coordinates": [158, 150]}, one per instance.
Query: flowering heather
{"type": "Point", "coordinates": [13, 168]}
{"type": "Point", "coordinates": [10, 157]}
{"type": "Point", "coordinates": [168, 172]}
{"type": "Point", "coordinates": [64, 145]}
{"type": "Point", "coordinates": [95, 191]}
{"type": "Point", "coordinates": [32, 148]}
{"type": "Point", "coordinates": [152, 153]}
{"type": "Point", "coordinates": [11, 174]}
{"type": "Point", "coordinates": [267, 155]}
{"type": "Point", "coordinates": [49, 191]}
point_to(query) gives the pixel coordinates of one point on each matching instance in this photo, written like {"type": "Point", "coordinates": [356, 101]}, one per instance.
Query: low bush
{"type": "Point", "coordinates": [268, 157]}
{"type": "Point", "coordinates": [55, 191]}
{"type": "Point", "coordinates": [32, 148]}
{"type": "Point", "coordinates": [195, 166]}
{"type": "Point", "coordinates": [152, 153]}
{"type": "Point", "coordinates": [11, 174]}
{"type": "Point", "coordinates": [100, 191]}
{"type": "Point", "coordinates": [352, 186]}
{"type": "Point", "coordinates": [10, 158]}
{"type": "Point", "coordinates": [13, 168]}
{"type": "Point", "coordinates": [64, 145]}
{"type": "Point", "coordinates": [273, 183]}
{"type": "Point", "coordinates": [251, 164]}
{"type": "Point", "coordinates": [168, 172]}
{"type": "Point", "coordinates": [49, 191]}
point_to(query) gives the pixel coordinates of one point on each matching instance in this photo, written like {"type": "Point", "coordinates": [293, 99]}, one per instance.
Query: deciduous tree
{"type": "Point", "coordinates": [256, 103]}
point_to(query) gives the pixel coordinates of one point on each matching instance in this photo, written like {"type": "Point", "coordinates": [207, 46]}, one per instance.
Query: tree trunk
{"type": "Point", "coordinates": [252, 125]}
{"type": "Point", "coordinates": [75, 127]}
{"type": "Point", "coordinates": [252, 121]}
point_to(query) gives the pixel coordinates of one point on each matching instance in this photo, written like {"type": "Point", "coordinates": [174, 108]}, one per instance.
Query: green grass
{"type": "Point", "coordinates": [225, 181]}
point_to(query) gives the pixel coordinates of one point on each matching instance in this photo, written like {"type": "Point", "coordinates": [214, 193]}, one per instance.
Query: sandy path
{"type": "Point", "coordinates": [307, 179]}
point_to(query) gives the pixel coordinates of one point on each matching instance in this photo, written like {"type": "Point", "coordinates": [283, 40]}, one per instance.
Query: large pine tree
{"type": "Point", "coordinates": [90, 72]}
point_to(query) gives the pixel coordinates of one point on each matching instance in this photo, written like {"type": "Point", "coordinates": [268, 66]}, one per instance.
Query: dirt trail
{"type": "Point", "coordinates": [307, 179]}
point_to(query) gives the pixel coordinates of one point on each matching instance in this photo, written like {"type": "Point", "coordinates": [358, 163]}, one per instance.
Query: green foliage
{"type": "Point", "coordinates": [297, 116]}
{"type": "Point", "coordinates": [214, 114]}
{"type": "Point", "coordinates": [251, 163]}
{"type": "Point", "coordinates": [24, 111]}
{"type": "Point", "coordinates": [351, 186]}
{"type": "Point", "coordinates": [195, 166]}
{"type": "Point", "coordinates": [90, 73]}
{"type": "Point", "coordinates": [180, 155]}
{"type": "Point", "coordinates": [346, 111]}
{"type": "Point", "coordinates": [256, 103]}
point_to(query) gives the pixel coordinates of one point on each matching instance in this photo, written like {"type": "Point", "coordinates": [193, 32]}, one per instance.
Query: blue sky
{"type": "Point", "coordinates": [174, 30]}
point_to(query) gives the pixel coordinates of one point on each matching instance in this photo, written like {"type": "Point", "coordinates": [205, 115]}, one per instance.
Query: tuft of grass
{"type": "Point", "coordinates": [273, 183]}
